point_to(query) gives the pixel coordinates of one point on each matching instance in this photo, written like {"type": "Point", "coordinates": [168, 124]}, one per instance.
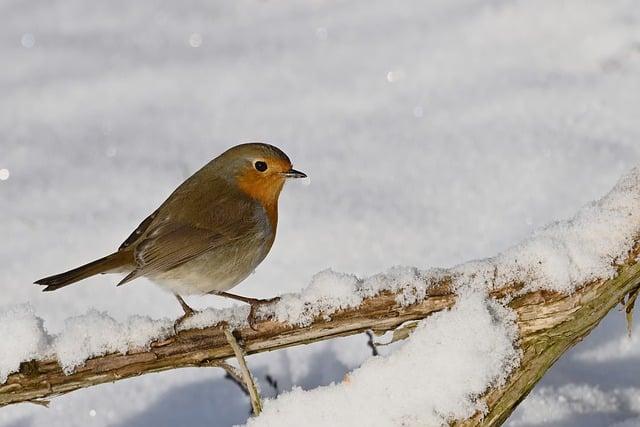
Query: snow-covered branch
{"type": "Point", "coordinates": [517, 314]}
{"type": "Point", "coordinates": [203, 347]}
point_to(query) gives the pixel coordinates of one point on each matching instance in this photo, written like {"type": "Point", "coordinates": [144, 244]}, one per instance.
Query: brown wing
{"type": "Point", "coordinates": [194, 199]}
{"type": "Point", "coordinates": [171, 245]}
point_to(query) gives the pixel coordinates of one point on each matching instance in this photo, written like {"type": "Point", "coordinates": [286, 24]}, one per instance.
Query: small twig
{"type": "Point", "coordinates": [254, 395]}
{"type": "Point", "coordinates": [40, 402]}
{"type": "Point", "coordinates": [628, 308]}
{"type": "Point", "coordinates": [371, 344]}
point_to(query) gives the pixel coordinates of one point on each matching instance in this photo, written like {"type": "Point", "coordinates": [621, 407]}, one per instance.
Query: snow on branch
{"type": "Point", "coordinates": [484, 332]}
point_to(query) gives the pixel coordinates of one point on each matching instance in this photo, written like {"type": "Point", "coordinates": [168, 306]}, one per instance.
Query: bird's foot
{"type": "Point", "coordinates": [180, 320]}
{"type": "Point", "coordinates": [255, 305]}
{"type": "Point", "coordinates": [188, 312]}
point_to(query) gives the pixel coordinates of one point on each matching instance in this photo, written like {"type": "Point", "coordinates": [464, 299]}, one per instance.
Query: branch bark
{"type": "Point", "coordinates": [549, 324]}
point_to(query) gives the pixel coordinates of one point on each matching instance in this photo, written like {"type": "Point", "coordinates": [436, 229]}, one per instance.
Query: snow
{"type": "Point", "coordinates": [434, 377]}
{"type": "Point", "coordinates": [234, 317]}
{"type": "Point", "coordinates": [95, 334]}
{"type": "Point", "coordinates": [23, 338]}
{"type": "Point", "coordinates": [330, 291]}
{"type": "Point", "coordinates": [508, 116]}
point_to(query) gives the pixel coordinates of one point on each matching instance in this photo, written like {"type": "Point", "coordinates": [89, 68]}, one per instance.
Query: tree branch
{"type": "Point", "coordinates": [549, 325]}
{"type": "Point", "coordinates": [252, 389]}
{"type": "Point", "coordinates": [206, 347]}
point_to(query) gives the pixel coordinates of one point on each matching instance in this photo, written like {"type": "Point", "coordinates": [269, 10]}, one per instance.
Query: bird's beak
{"type": "Point", "coordinates": [292, 173]}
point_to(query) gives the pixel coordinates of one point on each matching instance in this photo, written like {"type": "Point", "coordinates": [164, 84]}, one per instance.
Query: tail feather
{"type": "Point", "coordinates": [102, 265]}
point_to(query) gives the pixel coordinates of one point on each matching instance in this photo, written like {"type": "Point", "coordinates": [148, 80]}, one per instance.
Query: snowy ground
{"type": "Point", "coordinates": [434, 133]}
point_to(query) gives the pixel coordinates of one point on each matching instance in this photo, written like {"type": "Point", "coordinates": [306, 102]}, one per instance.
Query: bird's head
{"type": "Point", "coordinates": [259, 170]}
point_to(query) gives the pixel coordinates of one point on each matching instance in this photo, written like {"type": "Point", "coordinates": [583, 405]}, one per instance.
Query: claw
{"type": "Point", "coordinates": [180, 320]}
{"type": "Point", "coordinates": [255, 304]}
{"type": "Point", "coordinates": [629, 305]}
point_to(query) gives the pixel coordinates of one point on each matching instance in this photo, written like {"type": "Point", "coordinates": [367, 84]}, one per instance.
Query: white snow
{"type": "Point", "coordinates": [434, 377]}
{"type": "Point", "coordinates": [95, 334]}
{"type": "Point", "coordinates": [234, 317]}
{"type": "Point", "coordinates": [330, 291]}
{"type": "Point", "coordinates": [23, 338]}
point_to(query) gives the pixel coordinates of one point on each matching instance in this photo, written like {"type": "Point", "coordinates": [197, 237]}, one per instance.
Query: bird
{"type": "Point", "coordinates": [209, 235]}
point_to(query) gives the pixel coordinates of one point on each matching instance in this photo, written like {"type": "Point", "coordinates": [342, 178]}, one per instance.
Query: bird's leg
{"type": "Point", "coordinates": [188, 311]}
{"type": "Point", "coordinates": [247, 300]}
{"type": "Point", "coordinates": [255, 303]}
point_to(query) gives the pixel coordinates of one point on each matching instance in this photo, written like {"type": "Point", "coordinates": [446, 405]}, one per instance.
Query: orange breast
{"type": "Point", "coordinates": [265, 190]}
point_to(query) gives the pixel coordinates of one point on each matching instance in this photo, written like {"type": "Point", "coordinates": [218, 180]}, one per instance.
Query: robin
{"type": "Point", "coordinates": [209, 235]}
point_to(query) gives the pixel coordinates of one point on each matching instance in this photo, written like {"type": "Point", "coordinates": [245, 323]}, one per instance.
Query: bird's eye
{"type": "Point", "coordinates": [261, 166]}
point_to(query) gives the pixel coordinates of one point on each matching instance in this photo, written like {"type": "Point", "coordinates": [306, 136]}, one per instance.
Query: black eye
{"type": "Point", "coordinates": [261, 166]}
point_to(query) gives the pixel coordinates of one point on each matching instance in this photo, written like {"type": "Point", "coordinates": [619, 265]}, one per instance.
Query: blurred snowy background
{"type": "Point", "coordinates": [434, 132]}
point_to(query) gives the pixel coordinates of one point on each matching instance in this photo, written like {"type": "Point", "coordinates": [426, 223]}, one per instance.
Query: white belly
{"type": "Point", "coordinates": [218, 271]}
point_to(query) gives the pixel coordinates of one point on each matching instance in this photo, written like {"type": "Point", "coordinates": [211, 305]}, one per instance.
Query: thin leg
{"type": "Point", "coordinates": [629, 305]}
{"type": "Point", "coordinates": [188, 311]}
{"type": "Point", "coordinates": [254, 394]}
{"type": "Point", "coordinates": [247, 300]}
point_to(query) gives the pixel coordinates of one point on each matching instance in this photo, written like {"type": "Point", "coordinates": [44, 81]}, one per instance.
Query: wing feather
{"type": "Point", "coordinates": [170, 246]}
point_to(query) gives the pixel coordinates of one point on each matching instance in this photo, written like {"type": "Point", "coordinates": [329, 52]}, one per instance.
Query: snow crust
{"type": "Point", "coordinates": [22, 338]}
{"type": "Point", "coordinates": [434, 377]}
{"type": "Point", "coordinates": [234, 317]}
{"type": "Point", "coordinates": [95, 334]}
{"type": "Point", "coordinates": [25, 338]}
{"type": "Point", "coordinates": [330, 291]}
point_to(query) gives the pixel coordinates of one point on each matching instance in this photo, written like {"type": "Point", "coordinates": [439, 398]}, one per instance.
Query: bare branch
{"type": "Point", "coordinates": [254, 395]}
